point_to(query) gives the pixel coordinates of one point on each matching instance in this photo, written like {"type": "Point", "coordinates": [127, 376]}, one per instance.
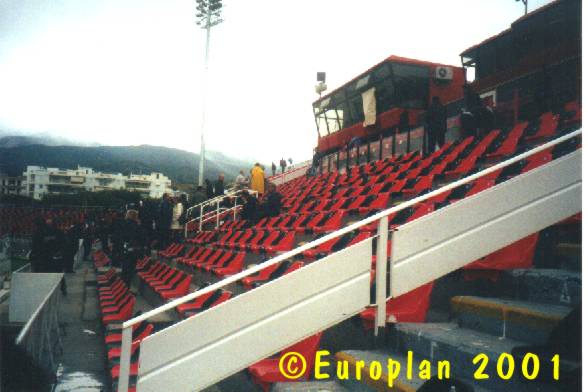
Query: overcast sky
{"type": "Point", "coordinates": [122, 72]}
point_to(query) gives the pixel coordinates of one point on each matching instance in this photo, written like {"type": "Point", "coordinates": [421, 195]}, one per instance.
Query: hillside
{"type": "Point", "coordinates": [181, 166]}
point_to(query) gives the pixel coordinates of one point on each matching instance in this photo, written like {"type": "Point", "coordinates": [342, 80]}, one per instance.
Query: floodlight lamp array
{"type": "Point", "coordinates": [208, 13]}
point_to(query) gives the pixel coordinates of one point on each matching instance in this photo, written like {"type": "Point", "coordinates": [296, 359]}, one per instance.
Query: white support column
{"type": "Point", "coordinates": [217, 213]}
{"type": "Point", "coordinates": [381, 266]}
{"type": "Point", "coordinates": [201, 212]}
{"type": "Point", "coordinates": [125, 360]}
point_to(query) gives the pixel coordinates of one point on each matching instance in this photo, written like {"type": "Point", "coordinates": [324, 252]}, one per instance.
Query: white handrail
{"type": "Point", "coordinates": [234, 278]}
{"type": "Point", "coordinates": [214, 199]}
{"type": "Point", "coordinates": [215, 213]}
{"type": "Point", "coordinates": [35, 314]}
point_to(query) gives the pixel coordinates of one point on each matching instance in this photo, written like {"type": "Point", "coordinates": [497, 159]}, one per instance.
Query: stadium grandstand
{"type": "Point", "coordinates": [394, 261]}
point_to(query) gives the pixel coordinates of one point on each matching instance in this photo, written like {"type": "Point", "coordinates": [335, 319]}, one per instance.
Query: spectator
{"type": "Point", "coordinates": [283, 164]}
{"type": "Point", "coordinates": [249, 209]}
{"type": "Point", "coordinates": [274, 168]}
{"type": "Point", "coordinates": [147, 219]}
{"type": "Point", "coordinates": [133, 243]}
{"type": "Point", "coordinates": [48, 245]}
{"type": "Point", "coordinates": [486, 120]}
{"type": "Point", "coordinates": [241, 181]}
{"type": "Point", "coordinates": [219, 185]}
{"type": "Point", "coordinates": [436, 125]}
{"type": "Point", "coordinates": [290, 161]}
{"type": "Point", "coordinates": [176, 225]}
{"type": "Point", "coordinates": [468, 124]}
{"type": "Point", "coordinates": [72, 236]}
{"type": "Point", "coordinates": [102, 233]}
{"type": "Point", "coordinates": [483, 115]}
{"type": "Point", "coordinates": [273, 202]}
{"type": "Point", "coordinates": [118, 227]}
{"type": "Point", "coordinates": [164, 221]}
{"type": "Point", "coordinates": [472, 100]}
{"type": "Point", "coordinates": [209, 189]}
{"type": "Point", "coordinates": [257, 178]}
{"type": "Point", "coordinates": [87, 237]}
{"type": "Point", "coordinates": [199, 196]}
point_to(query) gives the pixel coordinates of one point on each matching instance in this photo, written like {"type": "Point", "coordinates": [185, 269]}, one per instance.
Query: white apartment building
{"type": "Point", "coordinates": [40, 181]}
{"type": "Point", "coordinates": [12, 185]}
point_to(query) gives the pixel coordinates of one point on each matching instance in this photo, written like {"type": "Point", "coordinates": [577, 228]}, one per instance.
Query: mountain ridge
{"type": "Point", "coordinates": [179, 165]}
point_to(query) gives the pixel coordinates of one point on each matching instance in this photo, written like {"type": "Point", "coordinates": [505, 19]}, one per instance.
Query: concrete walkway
{"type": "Point", "coordinates": [82, 365]}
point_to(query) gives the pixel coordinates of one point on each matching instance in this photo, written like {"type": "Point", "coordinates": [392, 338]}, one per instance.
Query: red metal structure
{"type": "Point", "coordinates": [532, 67]}
{"type": "Point", "coordinates": [400, 84]}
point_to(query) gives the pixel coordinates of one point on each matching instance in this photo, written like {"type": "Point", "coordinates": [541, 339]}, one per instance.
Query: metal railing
{"type": "Point", "coordinates": [206, 216]}
{"type": "Point", "coordinates": [294, 172]}
{"type": "Point", "coordinates": [40, 336]}
{"type": "Point", "coordinates": [381, 254]}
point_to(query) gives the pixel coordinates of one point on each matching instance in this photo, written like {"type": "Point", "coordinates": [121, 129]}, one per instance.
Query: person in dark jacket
{"type": "Point", "coordinates": [219, 185]}
{"type": "Point", "coordinates": [164, 221]}
{"type": "Point", "coordinates": [404, 127]}
{"type": "Point", "coordinates": [118, 228]}
{"type": "Point", "coordinates": [468, 124]}
{"type": "Point", "coordinates": [102, 231]}
{"type": "Point", "coordinates": [72, 237]}
{"type": "Point", "coordinates": [88, 237]}
{"type": "Point", "coordinates": [436, 125]}
{"type": "Point", "coordinates": [485, 120]}
{"type": "Point", "coordinates": [273, 202]}
{"type": "Point", "coordinates": [274, 167]}
{"type": "Point", "coordinates": [209, 189]}
{"type": "Point", "coordinates": [133, 244]}
{"type": "Point", "coordinates": [199, 196]}
{"type": "Point", "coordinates": [47, 249]}
{"type": "Point", "coordinates": [249, 209]}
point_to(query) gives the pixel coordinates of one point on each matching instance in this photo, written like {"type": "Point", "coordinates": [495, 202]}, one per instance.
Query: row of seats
{"type": "Point", "coordinates": [203, 302]}
{"type": "Point", "coordinates": [116, 300]}
{"type": "Point", "coordinates": [220, 262]}
{"type": "Point", "coordinates": [116, 304]}
{"type": "Point", "coordinates": [21, 220]}
{"type": "Point", "coordinates": [167, 282]}
{"type": "Point", "coordinates": [265, 241]}
{"type": "Point", "coordinates": [204, 237]}
{"type": "Point", "coordinates": [172, 250]}
{"type": "Point", "coordinates": [309, 222]}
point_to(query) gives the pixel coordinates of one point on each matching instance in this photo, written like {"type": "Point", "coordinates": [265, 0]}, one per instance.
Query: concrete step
{"type": "Point", "coordinates": [309, 386]}
{"type": "Point", "coordinates": [520, 320]}
{"type": "Point", "coordinates": [551, 286]}
{"type": "Point", "coordinates": [459, 346]}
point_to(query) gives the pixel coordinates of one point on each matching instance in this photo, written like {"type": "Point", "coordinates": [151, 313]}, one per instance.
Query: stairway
{"type": "Point", "coordinates": [531, 303]}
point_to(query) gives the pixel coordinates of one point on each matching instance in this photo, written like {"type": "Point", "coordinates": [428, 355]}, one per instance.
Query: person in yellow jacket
{"type": "Point", "coordinates": [257, 178]}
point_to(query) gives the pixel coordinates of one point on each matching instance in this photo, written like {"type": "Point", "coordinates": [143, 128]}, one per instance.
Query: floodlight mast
{"type": "Point", "coordinates": [207, 16]}
{"type": "Point", "coordinates": [525, 2]}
